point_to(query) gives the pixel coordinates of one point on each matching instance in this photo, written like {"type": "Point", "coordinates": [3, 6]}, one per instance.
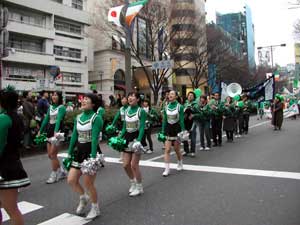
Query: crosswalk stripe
{"type": "Point", "coordinates": [66, 219]}
{"type": "Point", "coordinates": [24, 207]}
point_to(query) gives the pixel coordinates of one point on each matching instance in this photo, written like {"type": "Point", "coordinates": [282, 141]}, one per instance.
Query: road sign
{"type": "Point", "coordinates": [164, 64]}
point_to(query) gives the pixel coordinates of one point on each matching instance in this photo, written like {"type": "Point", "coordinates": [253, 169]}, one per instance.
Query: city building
{"type": "Point", "coordinates": [241, 27]}
{"type": "Point", "coordinates": [44, 34]}
{"type": "Point", "coordinates": [108, 73]}
{"type": "Point", "coordinates": [186, 15]}
{"type": "Point", "coordinates": [297, 53]}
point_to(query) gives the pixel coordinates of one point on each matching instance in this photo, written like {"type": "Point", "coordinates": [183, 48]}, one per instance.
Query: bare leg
{"type": "Point", "coordinates": [73, 181]}
{"type": "Point", "coordinates": [177, 150]}
{"type": "Point", "coordinates": [52, 154]}
{"type": "Point", "coordinates": [89, 184]}
{"type": "Point", "coordinates": [127, 164]}
{"type": "Point", "coordinates": [168, 145]}
{"type": "Point", "coordinates": [135, 167]}
{"type": "Point", "coordinates": [9, 199]}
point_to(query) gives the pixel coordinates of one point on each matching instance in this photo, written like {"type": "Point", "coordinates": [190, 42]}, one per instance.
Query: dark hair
{"type": "Point", "coordinates": [101, 102]}
{"type": "Point", "coordinates": [9, 100]}
{"type": "Point", "coordinates": [60, 98]}
{"type": "Point", "coordinates": [94, 99]}
{"type": "Point", "coordinates": [137, 95]}
{"type": "Point", "coordinates": [25, 94]}
{"type": "Point", "coordinates": [95, 92]}
{"type": "Point", "coordinates": [43, 92]}
{"type": "Point", "coordinates": [193, 93]}
{"type": "Point", "coordinates": [204, 97]}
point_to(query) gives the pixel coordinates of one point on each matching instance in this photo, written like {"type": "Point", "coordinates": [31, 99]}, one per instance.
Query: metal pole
{"type": "Point", "coordinates": [127, 57]}
{"type": "Point", "coordinates": [272, 57]}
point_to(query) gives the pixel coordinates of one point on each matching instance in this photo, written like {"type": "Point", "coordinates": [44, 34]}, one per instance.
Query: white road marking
{"type": "Point", "coordinates": [172, 153]}
{"type": "Point", "coordinates": [213, 169]}
{"type": "Point", "coordinates": [66, 219]}
{"type": "Point", "coordinates": [24, 207]}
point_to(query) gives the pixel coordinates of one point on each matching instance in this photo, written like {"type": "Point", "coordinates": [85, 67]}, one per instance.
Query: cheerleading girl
{"type": "Point", "coordinates": [173, 124]}
{"type": "Point", "coordinates": [100, 112]}
{"type": "Point", "coordinates": [87, 127]}
{"type": "Point", "coordinates": [121, 112]}
{"type": "Point", "coordinates": [13, 176]}
{"type": "Point", "coordinates": [52, 124]}
{"type": "Point", "coordinates": [133, 132]}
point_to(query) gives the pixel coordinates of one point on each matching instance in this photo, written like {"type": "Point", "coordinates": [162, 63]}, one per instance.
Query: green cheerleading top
{"type": "Point", "coordinates": [5, 125]}
{"type": "Point", "coordinates": [55, 115]}
{"type": "Point", "coordinates": [78, 136]}
{"type": "Point", "coordinates": [178, 111]}
{"type": "Point", "coordinates": [120, 113]}
{"type": "Point", "coordinates": [135, 118]}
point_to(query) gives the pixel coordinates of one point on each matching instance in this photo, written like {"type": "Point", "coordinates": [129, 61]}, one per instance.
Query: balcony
{"type": "Point", "coordinates": [53, 7]}
{"type": "Point", "coordinates": [30, 57]}
{"type": "Point", "coordinates": [30, 29]}
{"type": "Point", "coordinates": [19, 84]}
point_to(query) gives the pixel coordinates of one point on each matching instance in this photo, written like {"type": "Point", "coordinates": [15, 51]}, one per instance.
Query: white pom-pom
{"type": "Point", "coordinates": [90, 166]}
{"type": "Point", "coordinates": [137, 147]}
{"type": "Point", "coordinates": [183, 136]}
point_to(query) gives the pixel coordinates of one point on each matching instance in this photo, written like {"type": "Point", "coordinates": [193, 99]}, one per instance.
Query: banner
{"type": "Point", "coordinates": [289, 112]}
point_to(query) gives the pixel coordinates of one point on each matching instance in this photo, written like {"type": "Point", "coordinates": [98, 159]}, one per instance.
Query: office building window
{"type": "Point", "coordinates": [77, 4]}
{"type": "Point", "coordinates": [142, 37]}
{"type": "Point", "coordinates": [20, 72]}
{"type": "Point", "coordinates": [67, 26]}
{"type": "Point", "coordinates": [71, 77]}
{"type": "Point", "coordinates": [67, 52]}
{"type": "Point", "coordinates": [27, 17]}
{"type": "Point", "coordinates": [25, 43]}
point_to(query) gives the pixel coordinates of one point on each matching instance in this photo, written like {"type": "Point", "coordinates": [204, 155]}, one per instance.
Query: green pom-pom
{"type": "Point", "coordinates": [40, 139]}
{"type": "Point", "coordinates": [10, 88]}
{"type": "Point", "coordinates": [67, 162]}
{"type": "Point", "coordinates": [117, 143]}
{"type": "Point", "coordinates": [240, 104]}
{"type": "Point", "coordinates": [110, 129]}
{"type": "Point", "coordinates": [236, 98]}
{"type": "Point", "coordinates": [161, 137]}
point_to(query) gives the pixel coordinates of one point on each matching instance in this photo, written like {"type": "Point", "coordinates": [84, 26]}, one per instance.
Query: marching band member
{"type": "Point", "coordinates": [189, 124]}
{"type": "Point", "coordinates": [151, 117]}
{"type": "Point", "coordinates": [246, 113]}
{"type": "Point", "coordinates": [87, 127]}
{"type": "Point", "coordinates": [201, 116]}
{"type": "Point", "coordinates": [217, 119]}
{"type": "Point", "coordinates": [133, 132]}
{"type": "Point", "coordinates": [173, 124]}
{"type": "Point", "coordinates": [12, 174]}
{"type": "Point", "coordinates": [52, 124]}
{"type": "Point", "coordinates": [228, 116]}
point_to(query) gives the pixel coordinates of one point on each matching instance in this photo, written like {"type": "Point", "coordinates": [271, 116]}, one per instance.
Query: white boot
{"type": "Point", "coordinates": [179, 165]}
{"type": "Point", "coordinates": [52, 178]}
{"type": "Point", "coordinates": [94, 212]}
{"type": "Point", "coordinates": [83, 201]}
{"type": "Point", "coordinates": [137, 191]}
{"type": "Point", "coordinates": [132, 185]}
{"type": "Point", "coordinates": [167, 170]}
{"type": "Point", "coordinates": [61, 174]}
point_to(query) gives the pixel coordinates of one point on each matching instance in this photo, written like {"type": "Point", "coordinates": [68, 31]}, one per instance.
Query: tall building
{"type": "Point", "coordinates": [297, 53]}
{"type": "Point", "coordinates": [186, 15]}
{"type": "Point", "coordinates": [43, 34]}
{"type": "Point", "coordinates": [241, 27]}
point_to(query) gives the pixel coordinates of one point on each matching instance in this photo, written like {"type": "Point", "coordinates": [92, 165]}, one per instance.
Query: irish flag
{"type": "Point", "coordinates": [114, 14]}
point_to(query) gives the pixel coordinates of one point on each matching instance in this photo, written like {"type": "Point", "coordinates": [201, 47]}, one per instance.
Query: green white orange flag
{"type": "Point", "coordinates": [114, 14]}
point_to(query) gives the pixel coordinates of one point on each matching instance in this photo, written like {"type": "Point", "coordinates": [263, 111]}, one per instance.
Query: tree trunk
{"type": "Point", "coordinates": [155, 96]}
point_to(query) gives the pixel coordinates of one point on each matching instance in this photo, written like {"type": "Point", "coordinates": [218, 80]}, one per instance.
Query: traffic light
{"type": "Point", "coordinates": [4, 35]}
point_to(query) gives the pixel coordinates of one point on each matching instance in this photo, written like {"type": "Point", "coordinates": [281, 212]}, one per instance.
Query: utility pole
{"type": "Point", "coordinates": [127, 53]}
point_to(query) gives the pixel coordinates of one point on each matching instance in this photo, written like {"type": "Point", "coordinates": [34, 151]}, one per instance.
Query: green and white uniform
{"type": "Point", "coordinates": [87, 127]}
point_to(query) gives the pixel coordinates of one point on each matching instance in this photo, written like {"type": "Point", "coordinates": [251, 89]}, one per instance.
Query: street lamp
{"type": "Point", "coordinates": [271, 48]}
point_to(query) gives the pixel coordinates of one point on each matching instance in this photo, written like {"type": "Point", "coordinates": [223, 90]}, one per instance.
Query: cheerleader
{"type": "Point", "coordinates": [133, 132]}
{"type": "Point", "coordinates": [101, 113]}
{"type": "Point", "coordinates": [12, 174]}
{"type": "Point", "coordinates": [87, 127]}
{"type": "Point", "coordinates": [173, 124]}
{"type": "Point", "coordinates": [52, 124]}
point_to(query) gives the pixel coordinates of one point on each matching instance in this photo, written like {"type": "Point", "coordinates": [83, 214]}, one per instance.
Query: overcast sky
{"type": "Point", "coordinates": [272, 19]}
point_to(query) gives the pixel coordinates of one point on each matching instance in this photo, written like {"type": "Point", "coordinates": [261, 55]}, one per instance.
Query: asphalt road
{"type": "Point", "coordinates": [253, 181]}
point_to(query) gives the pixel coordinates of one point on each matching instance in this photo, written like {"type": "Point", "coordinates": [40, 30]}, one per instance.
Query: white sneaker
{"type": "Point", "coordinates": [138, 190]}
{"type": "Point", "coordinates": [149, 151]}
{"type": "Point", "coordinates": [83, 201]}
{"type": "Point", "coordinates": [179, 166]}
{"type": "Point", "coordinates": [207, 148]}
{"type": "Point", "coordinates": [132, 186]}
{"type": "Point", "coordinates": [61, 174]}
{"type": "Point", "coordinates": [52, 178]}
{"type": "Point", "coordinates": [192, 155]}
{"type": "Point", "coordinates": [94, 212]}
{"type": "Point", "coordinates": [201, 149]}
{"type": "Point", "coordinates": [166, 172]}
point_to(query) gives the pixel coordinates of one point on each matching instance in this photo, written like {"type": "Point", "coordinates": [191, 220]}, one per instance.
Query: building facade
{"type": "Point", "coordinates": [241, 27]}
{"type": "Point", "coordinates": [43, 34]}
{"type": "Point", "coordinates": [188, 20]}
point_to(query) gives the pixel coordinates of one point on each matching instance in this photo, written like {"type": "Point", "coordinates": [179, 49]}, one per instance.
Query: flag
{"type": "Point", "coordinates": [277, 76]}
{"type": "Point", "coordinates": [115, 13]}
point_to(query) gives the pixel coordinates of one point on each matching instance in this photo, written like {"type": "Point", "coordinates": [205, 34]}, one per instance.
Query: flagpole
{"type": "Point", "coordinates": [127, 56]}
